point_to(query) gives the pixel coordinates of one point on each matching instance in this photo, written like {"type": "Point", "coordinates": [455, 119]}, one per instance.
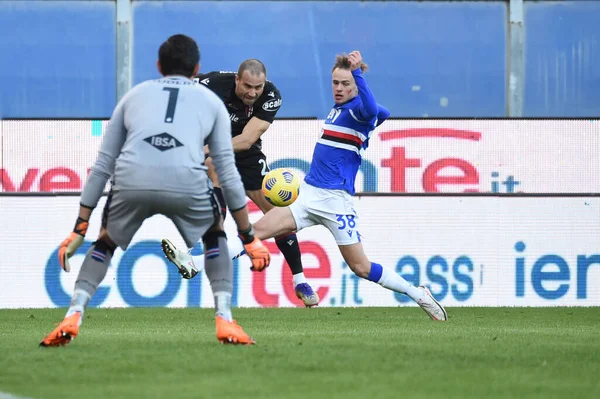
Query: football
{"type": "Point", "coordinates": [281, 187]}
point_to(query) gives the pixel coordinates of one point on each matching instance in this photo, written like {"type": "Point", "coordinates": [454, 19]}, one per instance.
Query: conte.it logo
{"type": "Point", "coordinates": [163, 141]}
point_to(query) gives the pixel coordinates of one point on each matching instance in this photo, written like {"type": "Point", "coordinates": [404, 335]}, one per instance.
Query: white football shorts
{"type": "Point", "coordinates": [333, 209]}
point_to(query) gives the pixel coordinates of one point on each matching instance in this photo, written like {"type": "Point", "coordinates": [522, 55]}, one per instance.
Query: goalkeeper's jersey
{"type": "Point", "coordinates": [155, 141]}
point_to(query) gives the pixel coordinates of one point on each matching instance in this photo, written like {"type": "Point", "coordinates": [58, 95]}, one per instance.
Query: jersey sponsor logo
{"type": "Point", "coordinates": [163, 141]}
{"type": "Point", "coordinates": [234, 118]}
{"type": "Point", "coordinates": [272, 105]}
{"type": "Point", "coordinates": [271, 94]}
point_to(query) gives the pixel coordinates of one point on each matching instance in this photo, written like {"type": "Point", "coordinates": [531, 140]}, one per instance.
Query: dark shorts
{"type": "Point", "coordinates": [253, 169]}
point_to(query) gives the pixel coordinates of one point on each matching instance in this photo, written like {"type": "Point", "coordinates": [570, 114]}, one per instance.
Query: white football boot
{"type": "Point", "coordinates": [431, 306]}
{"type": "Point", "coordinates": [183, 260]}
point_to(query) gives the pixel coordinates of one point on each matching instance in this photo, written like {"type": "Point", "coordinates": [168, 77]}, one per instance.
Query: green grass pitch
{"type": "Point", "coordinates": [306, 353]}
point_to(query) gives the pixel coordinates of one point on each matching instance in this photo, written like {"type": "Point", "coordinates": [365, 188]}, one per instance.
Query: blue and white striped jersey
{"type": "Point", "coordinates": [344, 138]}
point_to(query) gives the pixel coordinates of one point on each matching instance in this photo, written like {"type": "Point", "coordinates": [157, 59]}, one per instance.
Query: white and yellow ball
{"type": "Point", "coordinates": [281, 187]}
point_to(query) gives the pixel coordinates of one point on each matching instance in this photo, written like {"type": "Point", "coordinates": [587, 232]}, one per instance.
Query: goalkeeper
{"type": "Point", "coordinates": [154, 149]}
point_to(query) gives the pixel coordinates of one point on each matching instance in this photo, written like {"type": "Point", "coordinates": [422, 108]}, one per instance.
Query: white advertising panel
{"type": "Point", "coordinates": [471, 251]}
{"type": "Point", "coordinates": [412, 156]}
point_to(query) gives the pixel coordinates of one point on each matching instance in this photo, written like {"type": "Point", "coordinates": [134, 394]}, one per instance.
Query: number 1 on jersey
{"type": "Point", "coordinates": [173, 93]}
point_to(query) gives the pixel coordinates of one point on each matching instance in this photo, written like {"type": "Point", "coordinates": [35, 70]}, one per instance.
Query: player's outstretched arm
{"type": "Point", "coordinates": [368, 110]}
{"type": "Point", "coordinates": [250, 135]}
{"type": "Point", "coordinates": [265, 109]}
{"type": "Point", "coordinates": [104, 167]}
{"type": "Point", "coordinates": [382, 114]}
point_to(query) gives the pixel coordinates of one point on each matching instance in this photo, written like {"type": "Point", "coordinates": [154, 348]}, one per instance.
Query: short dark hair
{"type": "Point", "coordinates": [252, 65]}
{"type": "Point", "coordinates": [179, 55]}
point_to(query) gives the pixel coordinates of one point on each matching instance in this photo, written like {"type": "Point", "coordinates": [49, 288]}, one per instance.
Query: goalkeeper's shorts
{"type": "Point", "coordinates": [126, 210]}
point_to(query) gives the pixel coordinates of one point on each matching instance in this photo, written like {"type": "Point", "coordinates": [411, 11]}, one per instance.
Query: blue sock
{"type": "Point", "coordinates": [375, 273]}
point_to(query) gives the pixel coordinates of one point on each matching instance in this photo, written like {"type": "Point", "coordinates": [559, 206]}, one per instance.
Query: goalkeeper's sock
{"type": "Point", "coordinates": [219, 270]}
{"type": "Point", "coordinates": [223, 305]}
{"type": "Point", "coordinates": [78, 303]}
{"type": "Point", "coordinates": [92, 272]}
{"type": "Point", "coordinates": [235, 248]}
{"type": "Point", "coordinates": [391, 280]}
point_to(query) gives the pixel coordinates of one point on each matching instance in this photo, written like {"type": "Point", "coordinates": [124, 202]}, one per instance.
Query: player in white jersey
{"type": "Point", "coordinates": [326, 194]}
{"type": "Point", "coordinates": [153, 149]}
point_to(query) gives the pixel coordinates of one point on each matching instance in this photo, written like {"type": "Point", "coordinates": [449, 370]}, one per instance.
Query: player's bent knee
{"type": "Point", "coordinates": [211, 243]}
{"type": "Point", "coordinates": [104, 242]}
{"type": "Point", "coordinates": [104, 246]}
{"type": "Point", "coordinates": [360, 269]}
{"type": "Point", "coordinates": [355, 259]}
{"type": "Point", "coordinates": [276, 222]}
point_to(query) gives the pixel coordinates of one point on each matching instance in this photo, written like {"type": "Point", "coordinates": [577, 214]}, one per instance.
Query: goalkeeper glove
{"type": "Point", "coordinates": [255, 249]}
{"type": "Point", "coordinates": [70, 244]}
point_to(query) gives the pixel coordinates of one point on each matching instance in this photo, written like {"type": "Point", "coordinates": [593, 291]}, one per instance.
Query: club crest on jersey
{"type": "Point", "coordinates": [203, 81]}
{"type": "Point", "coordinates": [272, 105]}
{"type": "Point", "coordinates": [163, 141]}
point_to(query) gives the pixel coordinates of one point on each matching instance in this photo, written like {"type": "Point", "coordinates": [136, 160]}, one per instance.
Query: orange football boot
{"type": "Point", "coordinates": [229, 332]}
{"type": "Point", "coordinates": [66, 331]}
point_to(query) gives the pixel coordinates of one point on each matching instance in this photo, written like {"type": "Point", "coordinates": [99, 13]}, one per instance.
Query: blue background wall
{"type": "Point", "coordinates": [563, 58]}
{"type": "Point", "coordinates": [426, 58]}
{"type": "Point", "coordinates": [58, 58]}
{"type": "Point", "coordinates": [451, 50]}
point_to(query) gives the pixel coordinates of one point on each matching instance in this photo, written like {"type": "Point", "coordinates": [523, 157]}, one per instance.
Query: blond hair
{"type": "Point", "coordinates": [342, 62]}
